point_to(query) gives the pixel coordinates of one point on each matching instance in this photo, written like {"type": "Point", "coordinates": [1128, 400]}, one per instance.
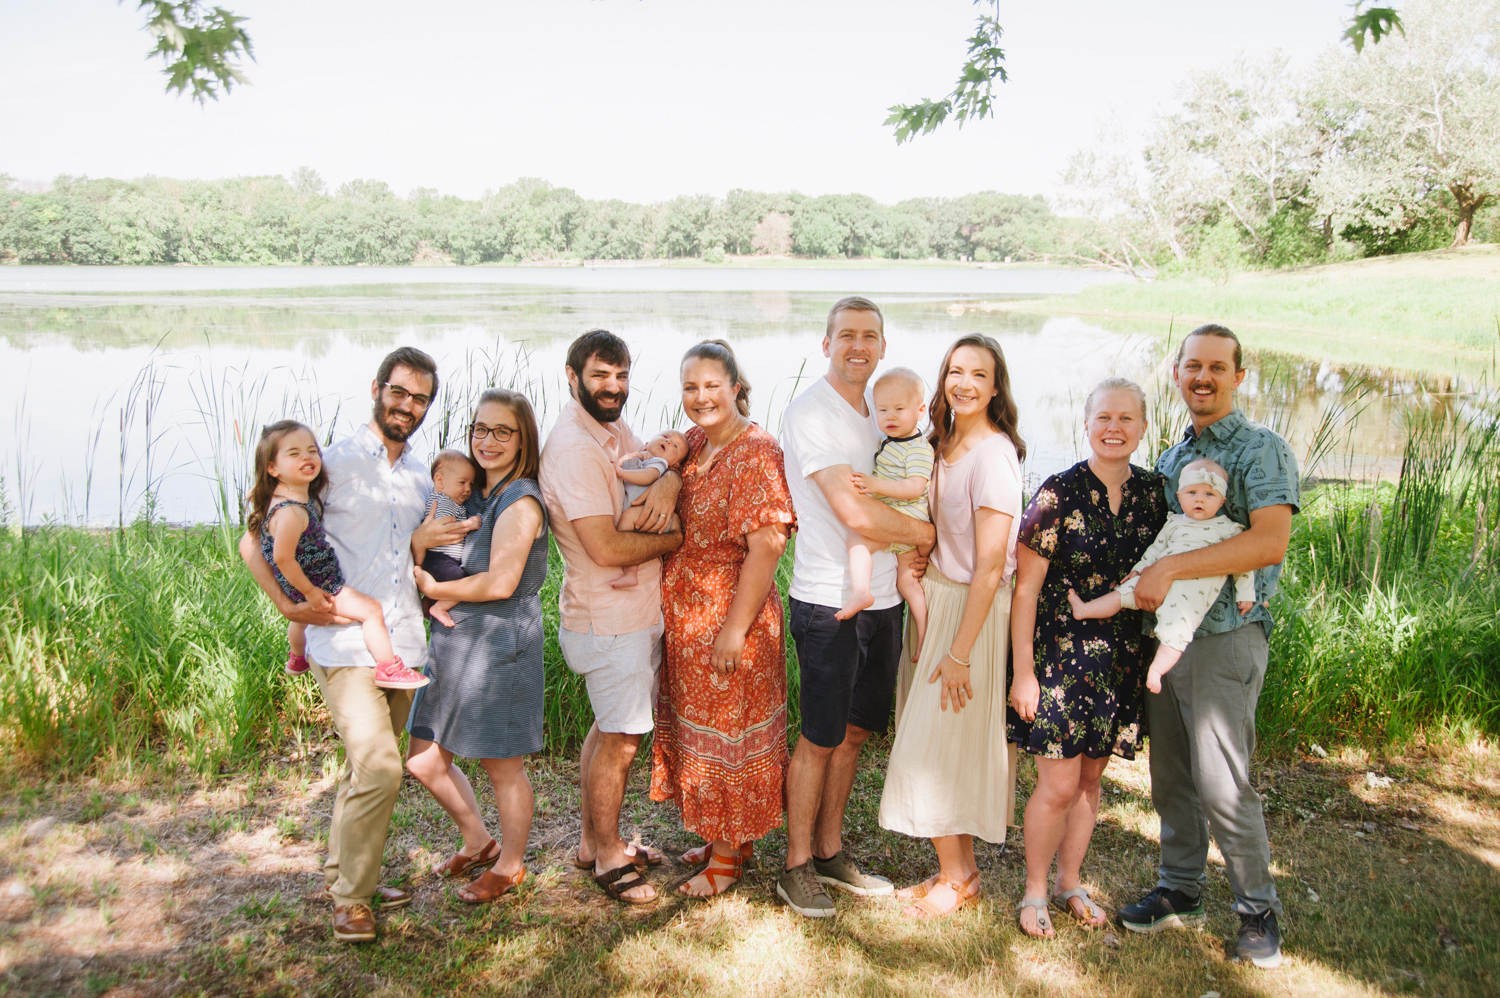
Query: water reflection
{"type": "Point", "coordinates": [114, 395]}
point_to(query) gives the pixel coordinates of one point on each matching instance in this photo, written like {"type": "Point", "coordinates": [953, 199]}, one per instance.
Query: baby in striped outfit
{"type": "Point", "coordinates": [452, 482]}
{"type": "Point", "coordinates": [1200, 492]}
{"type": "Point", "coordinates": [903, 467]}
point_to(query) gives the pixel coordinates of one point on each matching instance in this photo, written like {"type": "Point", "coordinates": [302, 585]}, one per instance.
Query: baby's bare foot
{"type": "Point", "coordinates": [1077, 605]}
{"type": "Point", "coordinates": [624, 582]}
{"type": "Point", "coordinates": [857, 602]}
{"type": "Point", "coordinates": [440, 614]}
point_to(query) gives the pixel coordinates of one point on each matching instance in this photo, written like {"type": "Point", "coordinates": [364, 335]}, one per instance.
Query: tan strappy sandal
{"type": "Point", "coordinates": [967, 897]}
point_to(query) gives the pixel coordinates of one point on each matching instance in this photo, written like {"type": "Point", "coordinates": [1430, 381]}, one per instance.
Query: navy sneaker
{"type": "Point", "coordinates": [1260, 940]}
{"type": "Point", "coordinates": [1162, 909]}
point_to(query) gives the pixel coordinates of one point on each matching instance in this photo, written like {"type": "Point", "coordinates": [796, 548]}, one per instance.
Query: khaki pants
{"type": "Point", "coordinates": [370, 721]}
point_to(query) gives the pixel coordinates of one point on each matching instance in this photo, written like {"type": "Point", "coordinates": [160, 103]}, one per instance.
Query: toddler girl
{"type": "Point", "coordinates": [452, 481]}
{"type": "Point", "coordinates": [903, 466]}
{"type": "Point", "coordinates": [286, 509]}
{"type": "Point", "coordinates": [668, 449]}
{"type": "Point", "coordinates": [1200, 491]}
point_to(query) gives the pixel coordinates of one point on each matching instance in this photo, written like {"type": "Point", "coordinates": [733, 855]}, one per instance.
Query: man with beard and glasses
{"type": "Point", "coordinates": [377, 492]}
{"type": "Point", "coordinates": [611, 637]}
{"type": "Point", "coordinates": [1202, 723]}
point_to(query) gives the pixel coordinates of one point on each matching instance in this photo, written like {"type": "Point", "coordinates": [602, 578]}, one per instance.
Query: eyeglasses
{"type": "Point", "coordinates": [401, 395]}
{"type": "Point", "coordinates": [501, 433]}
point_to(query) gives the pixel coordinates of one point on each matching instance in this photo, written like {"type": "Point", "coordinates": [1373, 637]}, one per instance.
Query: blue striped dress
{"type": "Point", "coordinates": [485, 698]}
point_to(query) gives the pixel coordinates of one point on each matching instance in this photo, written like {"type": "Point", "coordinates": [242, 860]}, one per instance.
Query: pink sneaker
{"type": "Point", "coordinates": [295, 664]}
{"type": "Point", "coordinates": [394, 675]}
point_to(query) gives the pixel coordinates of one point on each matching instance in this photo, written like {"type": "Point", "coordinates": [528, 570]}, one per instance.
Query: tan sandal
{"type": "Point", "coordinates": [730, 868]}
{"type": "Point", "coordinates": [921, 890]}
{"type": "Point", "coordinates": [458, 865]}
{"type": "Point", "coordinates": [489, 886]}
{"type": "Point", "coordinates": [924, 908]}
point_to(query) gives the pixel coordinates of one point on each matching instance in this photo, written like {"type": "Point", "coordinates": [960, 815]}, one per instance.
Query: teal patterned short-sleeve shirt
{"type": "Point", "coordinates": [1262, 472]}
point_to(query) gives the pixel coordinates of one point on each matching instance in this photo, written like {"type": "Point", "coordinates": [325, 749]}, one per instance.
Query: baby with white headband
{"type": "Point", "coordinates": [1200, 491]}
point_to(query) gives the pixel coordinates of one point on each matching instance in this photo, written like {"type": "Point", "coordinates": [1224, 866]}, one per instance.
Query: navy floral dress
{"type": "Point", "coordinates": [1090, 671]}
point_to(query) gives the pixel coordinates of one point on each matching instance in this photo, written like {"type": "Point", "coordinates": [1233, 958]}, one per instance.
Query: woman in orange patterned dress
{"type": "Point", "coordinates": [719, 748]}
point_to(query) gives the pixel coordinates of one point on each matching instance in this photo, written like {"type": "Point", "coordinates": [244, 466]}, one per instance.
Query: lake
{"type": "Point", "coordinates": [134, 385]}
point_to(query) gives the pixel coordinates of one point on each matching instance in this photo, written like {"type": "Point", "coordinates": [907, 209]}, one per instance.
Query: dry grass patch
{"type": "Point", "coordinates": [212, 888]}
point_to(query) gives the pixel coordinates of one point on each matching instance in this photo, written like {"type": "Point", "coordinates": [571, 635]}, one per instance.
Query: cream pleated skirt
{"type": "Point", "coordinates": [952, 773]}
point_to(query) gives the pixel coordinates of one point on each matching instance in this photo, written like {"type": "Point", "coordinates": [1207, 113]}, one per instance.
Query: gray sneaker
{"type": "Point", "coordinates": [800, 889]}
{"type": "Point", "coordinates": [841, 871]}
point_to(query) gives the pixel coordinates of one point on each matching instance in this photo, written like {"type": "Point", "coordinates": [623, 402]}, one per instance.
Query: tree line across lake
{"type": "Point", "coordinates": [278, 220]}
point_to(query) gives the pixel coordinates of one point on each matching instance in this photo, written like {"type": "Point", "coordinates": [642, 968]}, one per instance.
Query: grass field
{"type": "Point", "coordinates": [1436, 311]}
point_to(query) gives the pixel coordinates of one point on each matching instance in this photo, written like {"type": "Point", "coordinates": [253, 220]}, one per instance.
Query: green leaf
{"type": "Point", "coordinates": [972, 95]}
{"type": "Point", "coordinates": [1376, 22]}
{"type": "Point", "coordinates": [198, 44]}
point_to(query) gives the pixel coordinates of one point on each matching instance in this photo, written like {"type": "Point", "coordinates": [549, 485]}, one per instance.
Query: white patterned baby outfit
{"type": "Point", "coordinates": [1189, 600]}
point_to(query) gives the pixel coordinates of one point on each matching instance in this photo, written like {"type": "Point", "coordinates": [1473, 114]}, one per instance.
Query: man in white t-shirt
{"type": "Point", "coordinates": [848, 667]}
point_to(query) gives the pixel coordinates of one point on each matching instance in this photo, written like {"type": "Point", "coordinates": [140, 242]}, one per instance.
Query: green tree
{"type": "Point", "coordinates": [199, 46]}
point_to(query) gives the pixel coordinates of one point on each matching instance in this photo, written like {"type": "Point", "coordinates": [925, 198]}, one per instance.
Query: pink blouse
{"type": "Point", "coordinates": [989, 475]}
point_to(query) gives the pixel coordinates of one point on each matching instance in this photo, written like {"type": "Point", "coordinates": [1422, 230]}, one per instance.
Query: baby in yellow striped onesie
{"type": "Point", "coordinates": [1200, 492]}
{"type": "Point", "coordinates": [903, 467]}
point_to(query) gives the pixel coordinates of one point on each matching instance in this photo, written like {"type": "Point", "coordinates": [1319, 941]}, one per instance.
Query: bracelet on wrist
{"type": "Point", "coordinates": [957, 660]}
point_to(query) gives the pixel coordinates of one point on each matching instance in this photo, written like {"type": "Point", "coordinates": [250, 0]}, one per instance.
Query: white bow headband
{"type": "Point", "coordinates": [1202, 476]}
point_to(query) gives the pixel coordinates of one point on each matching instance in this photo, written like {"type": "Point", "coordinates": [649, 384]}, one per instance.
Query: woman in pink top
{"type": "Point", "coordinates": [948, 778]}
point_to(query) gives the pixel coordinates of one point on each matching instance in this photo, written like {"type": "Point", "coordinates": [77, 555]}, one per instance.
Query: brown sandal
{"type": "Point", "coordinates": [730, 868]}
{"type": "Point", "coordinates": [924, 908]}
{"type": "Point", "coordinates": [921, 890]}
{"type": "Point", "coordinates": [458, 865]}
{"type": "Point", "coordinates": [641, 858]}
{"type": "Point", "coordinates": [621, 879]}
{"type": "Point", "coordinates": [488, 886]}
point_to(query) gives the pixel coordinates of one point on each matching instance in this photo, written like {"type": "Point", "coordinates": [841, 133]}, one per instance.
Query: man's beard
{"type": "Point", "coordinates": [591, 405]}
{"type": "Point", "coordinates": [394, 432]}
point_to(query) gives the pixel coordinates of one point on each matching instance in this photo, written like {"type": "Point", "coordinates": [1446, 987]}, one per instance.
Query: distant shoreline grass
{"type": "Point", "coordinates": [1427, 311]}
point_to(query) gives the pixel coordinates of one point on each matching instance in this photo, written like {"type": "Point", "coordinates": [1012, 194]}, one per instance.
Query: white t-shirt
{"type": "Point", "coordinates": [372, 509]}
{"type": "Point", "coordinates": [819, 430]}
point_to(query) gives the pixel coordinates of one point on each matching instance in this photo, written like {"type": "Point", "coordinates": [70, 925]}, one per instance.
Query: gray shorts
{"type": "Point", "coordinates": [621, 672]}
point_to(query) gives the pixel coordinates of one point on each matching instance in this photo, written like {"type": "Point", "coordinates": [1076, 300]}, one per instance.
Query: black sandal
{"type": "Point", "coordinates": [621, 879]}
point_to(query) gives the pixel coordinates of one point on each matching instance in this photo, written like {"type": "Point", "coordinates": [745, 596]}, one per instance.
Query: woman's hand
{"type": "Point", "coordinates": [955, 683]}
{"type": "Point", "coordinates": [1025, 695]}
{"type": "Point", "coordinates": [423, 578]}
{"type": "Point", "coordinates": [726, 652]}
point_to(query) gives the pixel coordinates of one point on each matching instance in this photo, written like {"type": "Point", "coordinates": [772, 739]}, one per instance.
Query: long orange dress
{"type": "Point", "coordinates": [719, 749]}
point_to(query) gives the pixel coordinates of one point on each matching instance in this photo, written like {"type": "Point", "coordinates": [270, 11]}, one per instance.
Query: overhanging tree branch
{"type": "Point", "coordinates": [1376, 22]}
{"type": "Point", "coordinates": [198, 44]}
{"type": "Point", "coordinates": [971, 96]}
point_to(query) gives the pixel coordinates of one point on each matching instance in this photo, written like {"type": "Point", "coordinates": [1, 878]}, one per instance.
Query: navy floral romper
{"type": "Point", "coordinates": [1090, 671]}
{"type": "Point", "coordinates": [315, 555]}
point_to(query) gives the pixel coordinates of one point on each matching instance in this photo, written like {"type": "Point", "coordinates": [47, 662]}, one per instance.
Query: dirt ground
{"type": "Point", "coordinates": [193, 887]}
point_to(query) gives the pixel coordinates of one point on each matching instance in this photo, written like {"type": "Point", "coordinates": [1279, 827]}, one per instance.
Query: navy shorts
{"type": "Point", "coordinates": [443, 567]}
{"type": "Point", "coordinates": [848, 669]}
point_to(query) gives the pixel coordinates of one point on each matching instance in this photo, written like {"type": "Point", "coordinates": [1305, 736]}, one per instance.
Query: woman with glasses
{"type": "Point", "coordinates": [485, 698]}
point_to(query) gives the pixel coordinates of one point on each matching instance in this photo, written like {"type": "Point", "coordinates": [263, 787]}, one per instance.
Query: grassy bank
{"type": "Point", "coordinates": [1426, 311]}
{"type": "Point", "coordinates": [151, 648]}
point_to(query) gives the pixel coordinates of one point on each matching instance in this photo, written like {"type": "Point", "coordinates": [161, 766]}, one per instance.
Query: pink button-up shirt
{"type": "Point", "coordinates": [578, 479]}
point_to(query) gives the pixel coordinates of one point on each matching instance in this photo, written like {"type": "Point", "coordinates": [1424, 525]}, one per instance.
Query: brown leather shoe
{"type": "Point", "coordinates": [354, 923]}
{"type": "Point", "coordinates": [385, 899]}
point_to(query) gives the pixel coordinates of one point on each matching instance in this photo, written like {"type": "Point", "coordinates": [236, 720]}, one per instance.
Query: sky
{"type": "Point", "coordinates": [641, 100]}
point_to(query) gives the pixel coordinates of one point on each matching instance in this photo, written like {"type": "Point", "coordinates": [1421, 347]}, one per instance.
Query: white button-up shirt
{"type": "Point", "coordinates": [371, 510]}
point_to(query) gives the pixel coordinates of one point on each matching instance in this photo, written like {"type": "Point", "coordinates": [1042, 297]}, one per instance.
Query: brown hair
{"type": "Point", "coordinates": [722, 353]}
{"type": "Point", "coordinates": [601, 343]}
{"type": "Point", "coordinates": [1213, 329]}
{"type": "Point", "coordinates": [264, 485]}
{"type": "Point", "coordinates": [854, 303]}
{"type": "Point", "coordinates": [1001, 410]}
{"type": "Point", "coordinates": [529, 460]}
{"type": "Point", "coordinates": [450, 456]}
{"type": "Point", "coordinates": [409, 357]}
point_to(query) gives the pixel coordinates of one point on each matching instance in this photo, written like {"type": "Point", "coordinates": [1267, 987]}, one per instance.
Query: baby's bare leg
{"type": "Point", "coordinates": [1095, 609]}
{"type": "Point", "coordinates": [439, 611]}
{"type": "Point", "coordinates": [357, 606]}
{"type": "Point", "coordinates": [629, 521]}
{"type": "Point", "coordinates": [1166, 657]}
{"type": "Point", "coordinates": [296, 638]}
{"type": "Point", "coordinates": [861, 564]}
{"type": "Point", "coordinates": [910, 588]}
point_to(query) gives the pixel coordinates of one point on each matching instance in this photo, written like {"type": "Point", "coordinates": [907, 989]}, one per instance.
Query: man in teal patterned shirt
{"type": "Point", "coordinates": [1202, 724]}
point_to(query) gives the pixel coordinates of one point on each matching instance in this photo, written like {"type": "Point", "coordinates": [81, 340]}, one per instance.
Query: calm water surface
{"type": "Point", "coordinates": [126, 382]}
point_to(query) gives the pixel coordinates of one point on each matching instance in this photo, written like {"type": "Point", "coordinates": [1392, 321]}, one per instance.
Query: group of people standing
{"type": "Point", "coordinates": [690, 644]}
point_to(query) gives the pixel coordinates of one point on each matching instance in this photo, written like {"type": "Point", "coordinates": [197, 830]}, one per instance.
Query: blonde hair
{"type": "Point", "coordinates": [905, 376]}
{"type": "Point", "coordinates": [1114, 385]}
